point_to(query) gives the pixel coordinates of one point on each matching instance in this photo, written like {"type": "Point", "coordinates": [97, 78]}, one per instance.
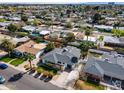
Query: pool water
{"type": "Point", "coordinates": [35, 35]}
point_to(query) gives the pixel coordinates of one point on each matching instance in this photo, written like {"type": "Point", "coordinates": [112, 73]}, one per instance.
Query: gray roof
{"type": "Point", "coordinates": [63, 55]}
{"type": "Point", "coordinates": [29, 28]}
{"type": "Point", "coordinates": [114, 58]}
{"type": "Point", "coordinates": [111, 39]}
{"type": "Point", "coordinates": [101, 67]}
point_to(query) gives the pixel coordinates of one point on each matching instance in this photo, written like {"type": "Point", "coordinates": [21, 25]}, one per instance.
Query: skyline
{"type": "Point", "coordinates": [56, 2]}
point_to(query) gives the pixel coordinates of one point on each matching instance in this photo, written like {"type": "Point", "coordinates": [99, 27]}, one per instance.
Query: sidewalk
{"type": "Point", "coordinates": [3, 87]}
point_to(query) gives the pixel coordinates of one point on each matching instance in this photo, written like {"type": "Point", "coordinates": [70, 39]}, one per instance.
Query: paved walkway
{"type": "Point", "coordinates": [60, 81]}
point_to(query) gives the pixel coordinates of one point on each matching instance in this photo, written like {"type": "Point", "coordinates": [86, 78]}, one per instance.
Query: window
{"type": "Point", "coordinates": [59, 62]}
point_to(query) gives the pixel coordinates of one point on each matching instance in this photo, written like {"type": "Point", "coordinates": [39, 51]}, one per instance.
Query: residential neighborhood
{"type": "Point", "coordinates": [62, 46]}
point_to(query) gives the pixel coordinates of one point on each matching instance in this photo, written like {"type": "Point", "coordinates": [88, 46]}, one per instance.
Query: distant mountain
{"type": "Point", "coordinates": [96, 3]}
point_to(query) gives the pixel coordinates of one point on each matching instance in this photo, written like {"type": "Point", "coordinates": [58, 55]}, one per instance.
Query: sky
{"type": "Point", "coordinates": [61, 1]}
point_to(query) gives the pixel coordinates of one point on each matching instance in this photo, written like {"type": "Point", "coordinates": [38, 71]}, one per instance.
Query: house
{"type": "Point", "coordinates": [65, 57]}
{"type": "Point", "coordinates": [44, 32]}
{"type": "Point", "coordinates": [113, 41]}
{"type": "Point", "coordinates": [109, 70]}
{"type": "Point", "coordinates": [4, 24]}
{"type": "Point", "coordinates": [30, 47]}
{"type": "Point", "coordinates": [29, 28]}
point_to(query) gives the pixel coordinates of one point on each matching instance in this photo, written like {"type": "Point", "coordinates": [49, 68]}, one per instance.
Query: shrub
{"type": "Point", "coordinates": [40, 70]}
{"type": "Point", "coordinates": [45, 73]}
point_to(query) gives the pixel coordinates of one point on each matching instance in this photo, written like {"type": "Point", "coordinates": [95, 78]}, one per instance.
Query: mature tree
{"type": "Point", "coordinates": [12, 27]}
{"type": "Point", "coordinates": [29, 57]}
{"type": "Point", "coordinates": [117, 32]}
{"type": "Point", "coordinates": [87, 8]}
{"type": "Point", "coordinates": [49, 47]}
{"type": "Point", "coordinates": [96, 18]}
{"type": "Point", "coordinates": [68, 25]}
{"type": "Point", "coordinates": [24, 18]}
{"type": "Point", "coordinates": [70, 37]}
{"type": "Point", "coordinates": [85, 46]}
{"type": "Point", "coordinates": [100, 41]}
{"type": "Point", "coordinates": [7, 45]}
{"type": "Point", "coordinates": [36, 22]}
{"type": "Point", "coordinates": [87, 31]}
{"type": "Point", "coordinates": [96, 7]}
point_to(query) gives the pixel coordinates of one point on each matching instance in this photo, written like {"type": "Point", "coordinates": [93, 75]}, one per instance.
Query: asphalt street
{"type": "Point", "coordinates": [27, 82]}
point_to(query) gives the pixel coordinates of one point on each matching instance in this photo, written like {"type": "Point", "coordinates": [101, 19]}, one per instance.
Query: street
{"type": "Point", "coordinates": [27, 82]}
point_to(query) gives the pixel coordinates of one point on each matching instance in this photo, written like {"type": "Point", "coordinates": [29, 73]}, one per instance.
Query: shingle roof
{"type": "Point", "coordinates": [28, 47]}
{"type": "Point", "coordinates": [104, 68]}
{"type": "Point", "coordinates": [63, 55]}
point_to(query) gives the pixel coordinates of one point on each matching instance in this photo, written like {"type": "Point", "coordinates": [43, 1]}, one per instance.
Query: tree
{"type": "Point", "coordinates": [70, 37]}
{"type": "Point", "coordinates": [96, 18]}
{"type": "Point", "coordinates": [36, 22]}
{"type": "Point", "coordinates": [117, 32]}
{"type": "Point", "coordinates": [29, 57]}
{"type": "Point", "coordinates": [49, 47]}
{"type": "Point", "coordinates": [24, 18]}
{"type": "Point", "coordinates": [87, 31]}
{"type": "Point", "coordinates": [100, 41]}
{"type": "Point", "coordinates": [85, 46]}
{"type": "Point", "coordinates": [68, 25]}
{"type": "Point", "coordinates": [12, 27]}
{"type": "Point", "coordinates": [7, 45]}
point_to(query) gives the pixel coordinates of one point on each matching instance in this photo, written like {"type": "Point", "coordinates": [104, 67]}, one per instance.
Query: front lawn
{"type": "Point", "coordinates": [17, 62]}
{"type": "Point", "coordinates": [6, 59]}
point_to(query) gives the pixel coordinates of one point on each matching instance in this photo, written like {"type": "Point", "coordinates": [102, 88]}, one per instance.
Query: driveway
{"type": "Point", "coordinates": [27, 82]}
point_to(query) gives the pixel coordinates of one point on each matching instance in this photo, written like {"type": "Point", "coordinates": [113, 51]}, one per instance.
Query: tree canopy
{"type": "Point", "coordinates": [24, 18]}
{"type": "Point", "coordinates": [70, 37]}
{"type": "Point", "coordinates": [117, 32]}
{"type": "Point", "coordinates": [7, 45]}
{"type": "Point", "coordinates": [49, 47]}
{"type": "Point", "coordinates": [12, 27]}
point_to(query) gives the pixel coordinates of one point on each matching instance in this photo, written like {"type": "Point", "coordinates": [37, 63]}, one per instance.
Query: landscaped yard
{"type": "Point", "coordinates": [88, 86]}
{"type": "Point", "coordinates": [12, 61]}
{"type": "Point", "coordinates": [17, 62]}
{"type": "Point", "coordinates": [6, 59]}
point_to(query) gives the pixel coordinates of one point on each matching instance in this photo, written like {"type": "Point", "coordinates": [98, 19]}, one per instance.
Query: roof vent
{"type": "Point", "coordinates": [65, 50]}
{"type": "Point", "coordinates": [107, 60]}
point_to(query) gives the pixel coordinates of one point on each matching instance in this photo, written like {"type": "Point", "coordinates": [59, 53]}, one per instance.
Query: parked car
{"type": "Point", "coordinates": [2, 79]}
{"type": "Point", "coordinates": [3, 66]}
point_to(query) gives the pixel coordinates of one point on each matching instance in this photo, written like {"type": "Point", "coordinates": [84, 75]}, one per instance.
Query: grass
{"type": "Point", "coordinates": [17, 62]}
{"type": "Point", "coordinates": [83, 85]}
{"type": "Point", "coordinates": [48, 68]}
{"type": "Point", "coordinates": [94, 85]}
{"type": "Point", "coordinates": [2, 20]}
{"type": "Point", "coordinates": [6, 59]}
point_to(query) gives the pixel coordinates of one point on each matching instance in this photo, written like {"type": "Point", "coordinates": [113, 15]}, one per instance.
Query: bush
{"type": "Point", "coordinates": [40, 70]}
{"type": "Point", "coordinates": [26, 67]}
{"type": "Point", "coordinates": [46, 73]}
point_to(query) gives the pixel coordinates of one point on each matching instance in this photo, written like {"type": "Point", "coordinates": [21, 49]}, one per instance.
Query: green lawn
{"type": "Point", "coordinates": [17, 62]}
{"type": "Point", "coordinates": [99, 87]}
{"type": "Point", "coordinates": [6, 59]}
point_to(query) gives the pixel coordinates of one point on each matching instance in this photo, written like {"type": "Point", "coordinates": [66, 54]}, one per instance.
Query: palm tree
{"type": "Point", "coordinates": [7, 46]}
{"type": "Point", "coordinates": [29, 57]}
{"type": "Point", "coordinates": [100, 41]}
{"type": "Point", "coordinates": [85, 46]}
{"type": "Point", "coordinates": [86, 30]}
